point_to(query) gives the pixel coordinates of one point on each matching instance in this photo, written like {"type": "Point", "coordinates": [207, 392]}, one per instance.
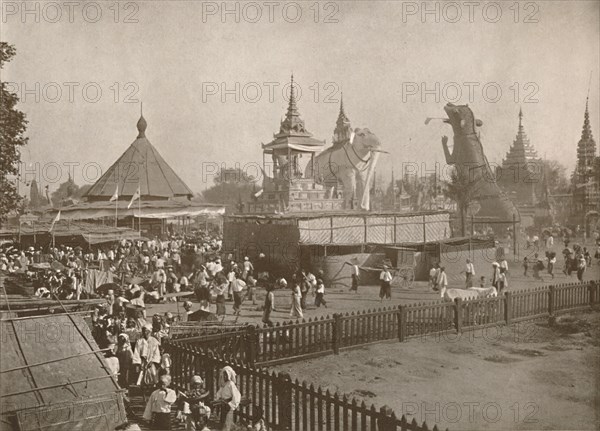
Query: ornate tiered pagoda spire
{"type": "Point", "coordinates": [519, 172]}
{"type": "Point", "coordinates": [292, 124]}
{"type": "Point", "coordinates": [586, 194]}
{"type": "Point", "coordinates": [343, 129]}
{"type": "Point", "coordinates": [586, 148]}
{"type": "Point", "coordinates": [521, 152]}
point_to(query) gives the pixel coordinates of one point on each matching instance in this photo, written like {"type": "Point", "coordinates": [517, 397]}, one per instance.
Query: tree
{"type": "Point", "coordinates": [556, 176]}
{"type": "Point", "coordinates": [67, 191]}
{"type": "Point", "coordinates": [230, 187]}
{"type": "Point", "coordinates": [12, 129]}
{"type": "Point", "coordinates": [461, 189]}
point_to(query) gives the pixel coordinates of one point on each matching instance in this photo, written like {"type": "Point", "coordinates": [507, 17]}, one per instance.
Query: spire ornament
{"type": "Point", "coordinates": [141, 124]}
{"type": "Point", "coordinates": [292, 124]}
{"type": "Point", "coordinates": [586, 147]}
{"type": "Point", "coordinates": [343, 128]}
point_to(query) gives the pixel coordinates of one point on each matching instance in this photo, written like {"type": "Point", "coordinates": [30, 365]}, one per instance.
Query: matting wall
{"type": "Point", "coordinates": [374, 229]}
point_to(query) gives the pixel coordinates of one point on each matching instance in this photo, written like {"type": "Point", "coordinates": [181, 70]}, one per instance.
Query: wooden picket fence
{"type": "Point", "coordinates": [298, 406]}
{"type": "Point", "coordinates": [316, 337]}
{"type": "Point", "coordinates": [287, 404]}
{"type": "Point", "coordinates": [529, 304]}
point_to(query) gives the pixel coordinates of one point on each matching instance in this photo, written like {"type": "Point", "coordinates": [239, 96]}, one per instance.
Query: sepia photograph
{"type": "Point", "coordinates": [309, 215]}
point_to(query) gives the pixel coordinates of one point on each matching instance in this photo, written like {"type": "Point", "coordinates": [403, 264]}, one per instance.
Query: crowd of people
{"type": "Point", "coordinates": [61, 270]}
{"type": "Point", "coordinates": [576, 258]}
{"type": "Point", "coordinates": [438, 279]}
{"type": "Point", "coordinates": [140, 360]}
{"type": "Point", "coordinates": [156, 271]}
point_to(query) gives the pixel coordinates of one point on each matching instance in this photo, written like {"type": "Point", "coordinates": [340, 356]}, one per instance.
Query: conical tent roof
{"type": "Point", "coordinates": [140, 165]}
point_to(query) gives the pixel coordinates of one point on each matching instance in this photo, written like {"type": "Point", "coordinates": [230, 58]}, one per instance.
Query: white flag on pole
{"type": "Point", "coordinates": [115, 196]}
{"type": "Point", "coordinates": [135, 196]}
{"type": "Point", "coordinates": [57, 218]}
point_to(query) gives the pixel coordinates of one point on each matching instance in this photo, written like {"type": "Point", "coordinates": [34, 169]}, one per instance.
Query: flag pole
{"type": "Point", "coordinates": [393, 190]}
{"type": "Point", "coordinates": [116, 206]}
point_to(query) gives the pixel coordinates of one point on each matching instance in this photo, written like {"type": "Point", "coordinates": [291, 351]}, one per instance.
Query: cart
{"type": "Point", "coordinates": [402, 261]}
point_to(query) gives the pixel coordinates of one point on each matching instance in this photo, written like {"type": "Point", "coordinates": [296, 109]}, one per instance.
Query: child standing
{"type": "Point", "coordinates": [385, 278]}
{"type": "Point", "coordinates": [269, 306]}
{"type": "Point", "coordinates": [551, 261]}
{"type": "Point", "coordinates": [319, 299]}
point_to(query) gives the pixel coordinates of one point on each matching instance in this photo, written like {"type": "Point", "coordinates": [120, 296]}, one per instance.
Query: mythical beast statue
{"type": "Point", "coordinates": [353, 164]}
{"type": "Point", "coordinates": [467, 154]}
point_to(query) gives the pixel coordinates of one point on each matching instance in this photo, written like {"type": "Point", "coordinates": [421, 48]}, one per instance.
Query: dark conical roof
{"type": "Point", "coordinates": [140, 165]}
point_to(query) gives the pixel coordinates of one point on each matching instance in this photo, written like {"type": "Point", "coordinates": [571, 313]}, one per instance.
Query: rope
{"type": "Point", "coordinates": [350, 160]}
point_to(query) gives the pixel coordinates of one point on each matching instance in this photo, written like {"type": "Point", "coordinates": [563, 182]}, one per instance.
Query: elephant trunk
{"type": "Point", "coordinates": [366, 197]}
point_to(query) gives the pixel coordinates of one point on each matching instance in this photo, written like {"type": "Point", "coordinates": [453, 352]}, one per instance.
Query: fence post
{"type": "Point", "coordinates": [250, 341]}
{"type": "Point", "coordinates": [507, 307]}
{"type": "Point", "coordinates": [337, 333]}
{"type": "Point", "coordinates": [592, 291]}
{"type": "Point", "coordinates": [210, 380]}
{"type": "Point", "coordinates": [385, 422]}
{"type": "Point", "coordinates": [457, 315]}
{"type": "Point", "coordinates": [551, 296]}
{"type": "Point", "coordinates": [283, 389]}
{"type": "Point", "coordinates": [401, 323]}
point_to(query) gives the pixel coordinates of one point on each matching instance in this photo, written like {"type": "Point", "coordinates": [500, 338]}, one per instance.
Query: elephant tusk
{"type": "Point", "coordinates": [428, 119]}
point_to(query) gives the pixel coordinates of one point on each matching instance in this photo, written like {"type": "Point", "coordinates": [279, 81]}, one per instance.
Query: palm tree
{"type": "Point", "coordinates": [461, 189]}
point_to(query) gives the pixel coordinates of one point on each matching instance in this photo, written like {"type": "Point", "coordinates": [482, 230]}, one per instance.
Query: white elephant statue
{"type": "Point", "coordinates": [352, 164]}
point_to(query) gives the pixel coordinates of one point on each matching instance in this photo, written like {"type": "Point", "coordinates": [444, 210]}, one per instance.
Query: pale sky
{"type": "Point", "coordinates": [374, 53]}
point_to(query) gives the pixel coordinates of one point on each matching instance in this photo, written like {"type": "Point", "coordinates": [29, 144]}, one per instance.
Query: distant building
{"type": "Point", "coordinates": [586, 178]}
{"type": "Point", "coordinates": [521, 172]}
{"type": "Point", "coordinates": [521, 176]}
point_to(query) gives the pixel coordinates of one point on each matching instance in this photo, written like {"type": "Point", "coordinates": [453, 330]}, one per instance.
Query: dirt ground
{"type": "Point", "coordinates": [525, 377]}
{"type": "Point", "coordinates": [341, 300]}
